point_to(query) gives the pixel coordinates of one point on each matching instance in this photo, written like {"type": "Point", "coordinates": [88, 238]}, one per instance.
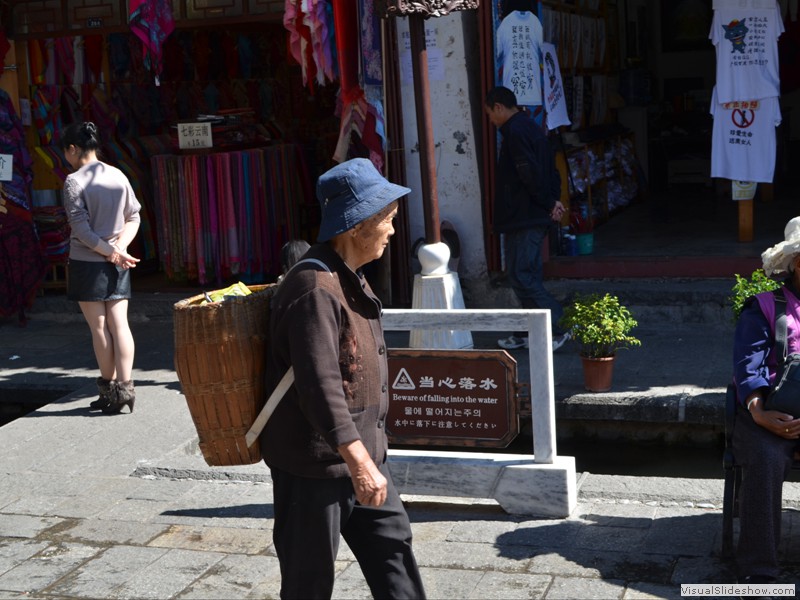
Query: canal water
{"type": "Point", "coordinates": [645, 459]}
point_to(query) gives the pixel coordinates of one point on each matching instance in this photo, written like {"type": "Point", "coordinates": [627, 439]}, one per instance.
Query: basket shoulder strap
{"type": "Point", "coordinates": [272, 402]}
{"type": "Point", "coordinates": [780, 329]}
{"type": "Point", "coordinates": [315, 261]}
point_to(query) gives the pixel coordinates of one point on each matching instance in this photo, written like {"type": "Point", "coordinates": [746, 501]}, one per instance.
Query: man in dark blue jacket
{"type": "Point", "coordinates": [526, 203]}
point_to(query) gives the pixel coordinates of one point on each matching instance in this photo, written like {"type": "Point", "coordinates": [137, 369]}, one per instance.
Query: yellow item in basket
{"type": "Point", "coordinates": [237, 289]}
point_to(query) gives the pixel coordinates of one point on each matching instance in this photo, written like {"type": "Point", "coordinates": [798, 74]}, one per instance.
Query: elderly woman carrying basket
{"type": "Point", "coordinates": [765, 440]}
{"type": "Point", "coordinates": [325, 443]}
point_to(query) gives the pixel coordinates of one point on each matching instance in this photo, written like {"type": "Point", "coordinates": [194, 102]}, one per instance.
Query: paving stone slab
{"type": "Point", "coordinates": [658, 489]}
{"type": "Point", "coordinates": [605, 565]}
{"type": "Point", "coordinates": [168, 576]}
{"type": "Point", "coordinates": [214, 539]}
{"type": "Point", "coordinates": [480, 531]}
{"type": "Point", "coordinates": [46, 567]}
{"type": "Point", "coordinates": [450, 583]}
{"type": "Point", "coordinates": [461, 555]}
{"type": "Point", "coordinates": [25, 526]}
{"type": "Point", "coordinates": [617, 514]}
{"type": "Point", "coordinates": [109, 532]}
{"type": "Point", "coordinates": [35, 504]}
{"type": "Point", "coordinates": [597, 537]}
{"type": "Point", "coordinates": [689, 535]}
{"type": "Point", "coordinates": [95, 501]}
{"type": "Point", "coordinates": [510, 586]}
{"type": "Point", "coordinates": [134, 509]}
{"type": "Point", "coordinates": [350, 584]}
{"type": "Point", "coordinates": [101, 576]}
{"type": "Point", "coordinates": [236, 576]}
{"type": "Point", "coordinates": [236, 516]}
{"type": "Point", "coordinates": [542, 534]}
{"type": "Point", "coordinates": [14, 551]}
{"type": "Point", "coordinates": [651, 591]}
{"type": "Point", "coordinates": [569, 588]}
{"type": "Point", "coordinates": [702, 570]}
{"type": "Point", "coordinates": [436, 531]}
{"type": "Point", "coordinates": [161, 490]}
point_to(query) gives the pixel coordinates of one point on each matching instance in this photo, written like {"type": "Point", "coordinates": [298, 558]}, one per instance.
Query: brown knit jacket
{"type": "Point", "coordinates": [327, 326]}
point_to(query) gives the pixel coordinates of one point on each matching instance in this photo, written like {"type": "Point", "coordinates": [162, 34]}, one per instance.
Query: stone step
{"type": "Point", "coordinates": [650, 300]}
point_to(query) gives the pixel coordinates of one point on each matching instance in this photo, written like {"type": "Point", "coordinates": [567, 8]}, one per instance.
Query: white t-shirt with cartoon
{"type": "Point", "coordinates": [518, 44]}
{"type": "Point", "coordinates": [743, 141]}
{"type": "Point", "coordinates": [746, 41]}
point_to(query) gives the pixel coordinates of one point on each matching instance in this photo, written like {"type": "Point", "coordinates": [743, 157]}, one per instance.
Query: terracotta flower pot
{"type": "Point", "coordinates": [597, 373]}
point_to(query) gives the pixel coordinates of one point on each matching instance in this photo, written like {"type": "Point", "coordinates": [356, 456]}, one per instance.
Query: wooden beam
{"type": "Point", "coordinates": [745, 220]}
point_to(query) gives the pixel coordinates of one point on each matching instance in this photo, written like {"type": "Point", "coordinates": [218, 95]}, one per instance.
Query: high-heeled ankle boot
{"type": "Point", "coordinates": [124, 395]}
{"type": "Point", "coordinates": [104, 388]}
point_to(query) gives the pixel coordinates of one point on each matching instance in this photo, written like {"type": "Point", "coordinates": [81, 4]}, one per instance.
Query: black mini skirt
{"type": "Point", "coordinates": [97, 281]}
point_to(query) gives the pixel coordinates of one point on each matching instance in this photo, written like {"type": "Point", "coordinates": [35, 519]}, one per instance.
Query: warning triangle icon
{"type": "Point", "coordinates": [403, 381]}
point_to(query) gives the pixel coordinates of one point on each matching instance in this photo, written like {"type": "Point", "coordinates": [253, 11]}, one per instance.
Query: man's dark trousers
{"type": "Point", "coordinates": [310, 514]}
{"type": "Point", "coordinates": [523, 255]}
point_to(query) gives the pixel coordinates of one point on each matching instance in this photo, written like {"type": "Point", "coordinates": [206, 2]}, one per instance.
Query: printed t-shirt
{"type": "Point", "coordinates": [746, 41]}
{"type": "Point", "coordinates": [743, 139]}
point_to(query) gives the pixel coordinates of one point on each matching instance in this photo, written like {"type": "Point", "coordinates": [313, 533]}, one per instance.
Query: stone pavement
{"type": "Point", "coordinates": [94, 506]}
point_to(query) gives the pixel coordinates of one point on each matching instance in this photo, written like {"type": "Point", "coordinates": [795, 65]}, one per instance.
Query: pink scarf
{"type": "Point", "coordinates": [152, 22]}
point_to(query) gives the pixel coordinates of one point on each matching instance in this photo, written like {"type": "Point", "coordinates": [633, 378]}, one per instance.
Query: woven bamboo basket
{"type": "Point", "coordinates": [220, 354]}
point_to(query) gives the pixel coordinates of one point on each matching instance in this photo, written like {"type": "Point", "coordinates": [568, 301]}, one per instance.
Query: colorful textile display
{"type": "Point", "coordinates": [53, 227]}
{"type": "Point", "coordinates": [152, 22]}
{"type": "Point", "coordinates": [365, 119]}
{"type": "Point", "coordinates": [22, 262]}
{"type": "Point", "coordinates": [12, 141]}
{"type": "Point", "coordinates": [311, 35]}
{"type": "Point", "coordinates": [227, 213]}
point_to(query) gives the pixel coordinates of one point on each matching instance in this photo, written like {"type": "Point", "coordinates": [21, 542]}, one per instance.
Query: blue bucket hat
{"type": "Point", "coordinates": [352, 192]}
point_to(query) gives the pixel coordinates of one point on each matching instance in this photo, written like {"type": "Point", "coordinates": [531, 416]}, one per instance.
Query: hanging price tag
{"type": "Point", "coordinates": [743, 190]}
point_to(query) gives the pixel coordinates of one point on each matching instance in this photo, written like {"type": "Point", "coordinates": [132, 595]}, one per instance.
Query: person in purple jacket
{"type": "Point", "coordinates": [326, 444]}
{"type": "Point", "coordinates": [764, 441]}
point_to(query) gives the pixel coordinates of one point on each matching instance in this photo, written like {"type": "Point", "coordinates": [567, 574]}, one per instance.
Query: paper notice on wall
{"type": "Point", "coordinates": [6, 167]}
{"type": "Point", "coordinates": [194, 136]}
{"type": "Point", "coordinates": [435, 57]}
{"type": "Point", "coordinates": [555, 102]}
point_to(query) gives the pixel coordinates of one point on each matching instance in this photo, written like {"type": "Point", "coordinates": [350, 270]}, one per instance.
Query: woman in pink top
{"type": "Point", "coordinates": [104, 218]}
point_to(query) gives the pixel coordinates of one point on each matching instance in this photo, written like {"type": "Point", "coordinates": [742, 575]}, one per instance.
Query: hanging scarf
{"type": "Point", "coordinates": [37, 59]}
{"type": "Point", "coordinates": [152, 22]}
{"type": "Point", "coordinates": [65, 58]}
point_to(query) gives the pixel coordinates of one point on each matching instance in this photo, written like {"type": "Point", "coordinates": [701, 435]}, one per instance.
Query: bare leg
{"type": "Point", "coordinates": [124, 347]}
{"type": "Point", "coordinates": [102, 342]}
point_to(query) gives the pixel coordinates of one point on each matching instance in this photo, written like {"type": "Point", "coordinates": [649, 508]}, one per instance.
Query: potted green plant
{"type": "Point", "coordinates": [745, 288]}
{"type": "Point", "coordinates": [601, 326]}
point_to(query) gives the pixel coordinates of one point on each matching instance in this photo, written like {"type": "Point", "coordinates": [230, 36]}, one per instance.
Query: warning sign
{"type": "Point", "coordinates": [403, 381]}
{"type": "Point", "coordinates": [452, 397]}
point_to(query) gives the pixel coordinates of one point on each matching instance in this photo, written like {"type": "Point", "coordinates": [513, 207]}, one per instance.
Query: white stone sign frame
{"type": "Point", "coordinates": [542, 485]}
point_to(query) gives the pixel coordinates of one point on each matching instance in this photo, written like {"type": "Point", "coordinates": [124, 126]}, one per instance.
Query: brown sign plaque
{"type": "Point", "coordinates": [452, 397]}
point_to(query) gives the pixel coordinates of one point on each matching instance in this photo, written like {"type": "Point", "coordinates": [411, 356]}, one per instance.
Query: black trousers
{"type": "Point", "coordinates": [766, 461]}
{"type": "Point", "coordinates": [310, 515]}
